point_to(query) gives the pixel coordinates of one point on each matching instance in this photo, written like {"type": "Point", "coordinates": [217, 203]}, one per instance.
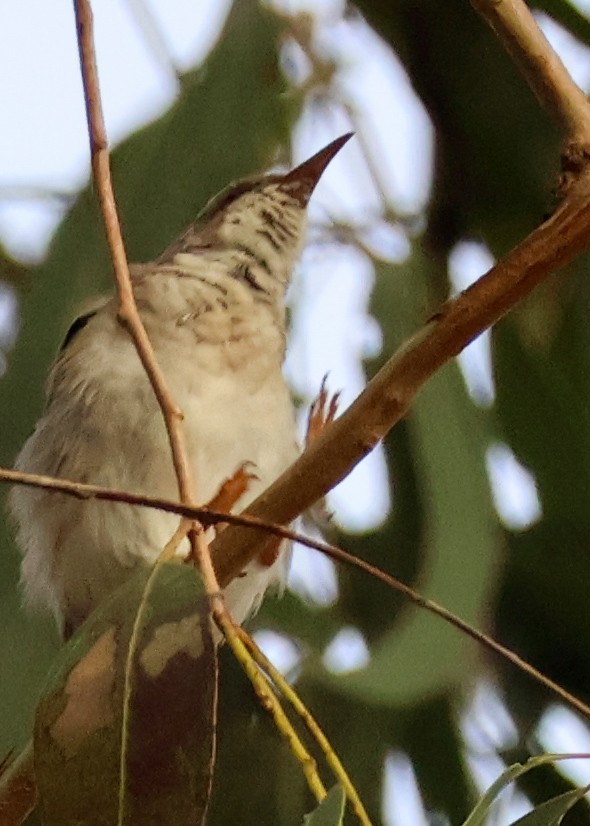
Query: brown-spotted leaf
{"type": "Point", "coordinates": [125, 731]}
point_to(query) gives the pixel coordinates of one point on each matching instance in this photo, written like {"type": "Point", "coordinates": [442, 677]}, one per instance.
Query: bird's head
{"type": "Point", "coordinates": [264, 216]}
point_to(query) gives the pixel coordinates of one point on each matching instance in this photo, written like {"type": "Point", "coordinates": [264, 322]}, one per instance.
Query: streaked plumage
{"type": "Point", "coordinates": [213, 307]}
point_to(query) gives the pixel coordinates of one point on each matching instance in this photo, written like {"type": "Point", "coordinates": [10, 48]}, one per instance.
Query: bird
{"type": "Point", "coordinates": [213, 306]}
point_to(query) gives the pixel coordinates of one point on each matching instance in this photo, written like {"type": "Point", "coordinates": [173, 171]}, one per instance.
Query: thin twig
{"type": "Point", "coordinates": [311, 724]}
{"type": "Point", "coordinates": [384, 402]}
{"type": "Point", "coordinates": [130, 318]}
{"type": "Point", "coordinates": [260, 526]}
{"type": "Point", "coordinates": [17, 785]}
{"type": "Point", "coordinates": [515, 26]}
{"type": "Point", "coordinates": [270, 702]}
{"type": "Point", "coordinates": [128, 313]}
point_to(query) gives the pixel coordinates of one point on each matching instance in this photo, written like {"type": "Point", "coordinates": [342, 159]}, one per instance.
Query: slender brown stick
{"type": "Point", "coordinates": [271, 703]}
{"type": "Point", "coordinates": [515, 26]}
{"type": "Point", "coordinates": [387, 398]}
{"type": "Point", "coordinates": [260, 526]}
{"type": "Point", "coordinates": [128, 313]}
{"type": "Point", "coordinates": [311, 724]}
{"type": "Point", "coordinates": [130, 318]}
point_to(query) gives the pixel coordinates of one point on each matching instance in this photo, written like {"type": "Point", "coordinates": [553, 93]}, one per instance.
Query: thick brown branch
{"type": "Point", "coordinates": [387, 397]}
{"type": "Point", "coordinates": [554, 87]}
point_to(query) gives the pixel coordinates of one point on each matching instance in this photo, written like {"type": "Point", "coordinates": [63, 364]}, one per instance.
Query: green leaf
{"type": "Point", "coordinates": [255, 773]}
{"type": "Point", "coordinates": [12, 272]}
{"type": "Point", "coordinates": [289, 614]}
{"type": "Point", "coordinates": [541, 363]}
{"type": "Point", "coordinates": [546, 782]}
{"type": "Point", "coordinates": [552, 812]}
{"type": "Point", "coordinates": [395, 547]}
{"type": "Point", "coordinates": [125, 732]}
{"type": "Point", "coordinates": [542, 612]}
{"type": "Point", "coordinates": [330, 811]}
{"type": "Point", "coordinates": [479, 814]}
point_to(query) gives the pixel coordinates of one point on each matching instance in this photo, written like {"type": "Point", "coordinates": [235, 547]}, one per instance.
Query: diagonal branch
{"type": "Point", "coordinates": [517, 29]}
{"type": "Point", "coordinates": [386, 399]}
{"type": "Point", "coordinates": [269, 701]}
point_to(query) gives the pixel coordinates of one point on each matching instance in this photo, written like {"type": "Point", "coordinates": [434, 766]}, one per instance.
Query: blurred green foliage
{"type": "Point", "coordinates": [496, 161]}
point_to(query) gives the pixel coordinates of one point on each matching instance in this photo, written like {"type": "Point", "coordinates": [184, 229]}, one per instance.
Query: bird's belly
{"type": "Point", "coordinates": [84, 546]}
{"type": "Point", "coordinates": [225, 429]}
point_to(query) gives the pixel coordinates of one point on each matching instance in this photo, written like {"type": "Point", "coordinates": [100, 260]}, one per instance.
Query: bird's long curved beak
{"type": "Point", "coordinates": [301, 181]}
